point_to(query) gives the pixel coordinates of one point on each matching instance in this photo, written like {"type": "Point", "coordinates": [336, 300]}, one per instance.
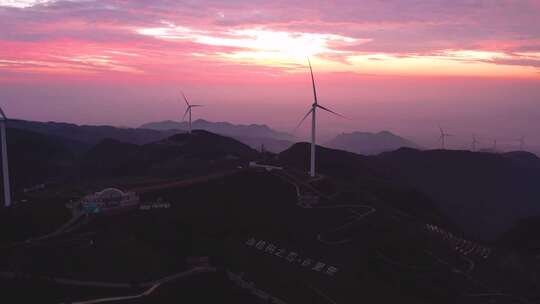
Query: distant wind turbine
{"type": "Point", "coordinates": [443, 137]}
{"type": "Point", "coordinates": [522, 143]}
{"type": "Point", "coordinates": [188, 111]}
{"type": "Point", "coordinates": [5, 164]}
{"type": "Point", "coordinates": [313, 113]}
{"type": "Point", "coordinates": [495, 145]}
{"type": "Point", "coordinates": [474, 142]}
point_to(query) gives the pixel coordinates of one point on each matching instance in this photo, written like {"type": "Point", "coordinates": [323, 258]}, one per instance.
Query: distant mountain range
{"type": "Point", "coordinates": [484, 194]}
{"type": "Point", "coordinates": [253, 135]}
{"type": "Point", "coordinates": [224, 128]}
{"type": "Point", "coordinates": [92, 134]}
{"type": "Point", "coordinates": [369, 143]}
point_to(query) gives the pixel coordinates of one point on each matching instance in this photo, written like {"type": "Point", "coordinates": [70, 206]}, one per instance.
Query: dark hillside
{"type": "Point", "coordinates": [484, 193]}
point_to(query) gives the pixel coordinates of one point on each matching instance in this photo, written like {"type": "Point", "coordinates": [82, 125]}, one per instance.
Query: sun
{"type": "Point", "coordinates": [258, 45]}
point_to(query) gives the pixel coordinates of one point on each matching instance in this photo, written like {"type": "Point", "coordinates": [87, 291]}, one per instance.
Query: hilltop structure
{"type": "Point", "coordinates": [108, 201]}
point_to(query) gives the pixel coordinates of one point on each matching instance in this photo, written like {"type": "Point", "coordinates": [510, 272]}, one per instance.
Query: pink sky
{"type": "Point", "coordinates": [401, 65]}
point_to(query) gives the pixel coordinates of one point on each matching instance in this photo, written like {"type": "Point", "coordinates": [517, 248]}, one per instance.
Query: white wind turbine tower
{"type": "Point", "coordinates": [522, 143]}
{"type": "Point", "coordinates": [5, 165]}
{"type": "Point", "coordinates": [188, 111]}
{"type": "Point", "coordinates": [443, 137]}
{"type": "Point", "coordinates": [474, 142]}
{"type": "Point", "coordinates": [313, 113]}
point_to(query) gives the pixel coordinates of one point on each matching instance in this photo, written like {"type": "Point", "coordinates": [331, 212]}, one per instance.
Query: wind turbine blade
{"type": "Point", "coordinates": [3, 114]}
{"type": "Point", "coordinates": [328, 110]}
{"type": "Point", "coordinates": [185, 113]}
{"type": "Point", "coordinates": [312, 81]}
{"type": "Point", "coordinates": [196, 105]}
{"type": "Point", "coordinates": [185, 99]}
{"type": "Point", "coordinates": [301, 121]}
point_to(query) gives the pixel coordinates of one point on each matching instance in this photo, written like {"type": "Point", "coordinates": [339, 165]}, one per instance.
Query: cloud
{"type": "Point", "coordinates": [22, 3]}
{"type": "Point", "coordinates": [263, 33]}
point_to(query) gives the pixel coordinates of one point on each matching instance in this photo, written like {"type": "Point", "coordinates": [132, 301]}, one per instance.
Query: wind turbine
{"type": "Point", "coordinates": [313, 113]}
{"type": "Point", "coordinates": [522, 143]}
{"type": "Point", "coordinates": [474, 142]}
{"type": "Point", "coordinates": [443, 137]}
{"type": "Point", "coordinates": [5, 165]}
{"type": "Point", "coordinates": [494, 144]}
{"type": "Point", "coordinates": [188, 111]}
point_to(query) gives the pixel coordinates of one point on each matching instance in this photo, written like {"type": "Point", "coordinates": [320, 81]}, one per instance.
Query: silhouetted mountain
{"type": "Point", "coordinates": [365, 174]}
{"type": "Point", "coordinates": [332, 162]}
{"type": "Point", "coordinates": [523, 158]}
{"type": "Point", "coordinates": [207, 145]}
{"type": "Point", "coordinates": [36, 158]}
{"type": "Point", "coordinates": [178, 155]}
{"type": "Point", "coordinates": [253, 135]}
{"type": "Point", "coordinates": [111, 157]}
{"type": "Point", "coordinates": [92, 134]}
{"type": "Point", "coordinates": [369, 143]}
{"type": "Point", "coordinates": [376, 238]}
{"type": "Point", "coordinates": [523, 236]}
{"type": "Point", "coordinates": [223, 128]}
{"type": "Point", "coordinates": [270, 144]}
{"type": "Point", "coordinates": [484, 193]}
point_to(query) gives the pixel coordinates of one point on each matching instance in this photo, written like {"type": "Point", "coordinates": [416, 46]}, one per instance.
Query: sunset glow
{"type": "Point", "coordinates": [247, 52]}
{"type": "Point", "coordinates": [57, 34]}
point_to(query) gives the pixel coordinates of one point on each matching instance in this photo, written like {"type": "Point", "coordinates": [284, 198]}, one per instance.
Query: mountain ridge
{"type": "Point", "coordinates": [369, 143]}
{"type": "Point", "coordinates": [222, 127]}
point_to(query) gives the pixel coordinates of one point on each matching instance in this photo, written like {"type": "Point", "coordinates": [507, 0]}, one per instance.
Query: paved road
{"type": "Point", "coordinates": [152, 286]}
{"type": "Point", "coordinates": [185, 182]}
{"type": "Point", "coordinates": [123, 298]}
{"type": "Point", "coordinates": [360, 212]}
{"type": "Point", "coordinates": [352, 208]}
{"type": "Point", "coordinates": [357, 217]}
{"type": "Point", "coordinates": [105, 284]}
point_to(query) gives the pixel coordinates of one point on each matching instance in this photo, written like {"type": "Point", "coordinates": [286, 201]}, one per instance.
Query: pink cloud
{"type": "Point", "coordinates": [66, 51]}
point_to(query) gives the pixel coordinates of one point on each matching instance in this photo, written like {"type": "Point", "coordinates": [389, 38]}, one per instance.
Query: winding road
{"type": "Point", "coordinates": [352, 208]}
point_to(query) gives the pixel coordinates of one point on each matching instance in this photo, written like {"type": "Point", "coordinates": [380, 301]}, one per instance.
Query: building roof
{"type": "Point", "coordinates": [110, 193]}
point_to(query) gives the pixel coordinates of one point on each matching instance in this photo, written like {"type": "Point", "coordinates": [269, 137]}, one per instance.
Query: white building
{"type": "Point", "coordinates": [109, 200]}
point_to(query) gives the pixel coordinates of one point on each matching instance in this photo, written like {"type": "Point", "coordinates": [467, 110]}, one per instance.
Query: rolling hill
{"type": "Point", "coordinates": [224, 128]}
{"type": "Point", "coordinates": [370, 223]}
{"type": "Point", "coordinates": [92, 134]}
{"type": "Point", "coordinates": [362, 175]}
{"type": "Point", "coordinates": [484, 193]}
{"type": "Point", "coordinates": [369, 143]}
{"type": "Point", "coordinates": [37, 158]}
{"type": "Point", "coordinates": [178, 155]}
{"type": "Point", "coordinates": [253, 135]}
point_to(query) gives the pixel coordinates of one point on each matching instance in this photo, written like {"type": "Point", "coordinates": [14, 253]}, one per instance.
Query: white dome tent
{"type": "Point", "coordinates": [109, 200]}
